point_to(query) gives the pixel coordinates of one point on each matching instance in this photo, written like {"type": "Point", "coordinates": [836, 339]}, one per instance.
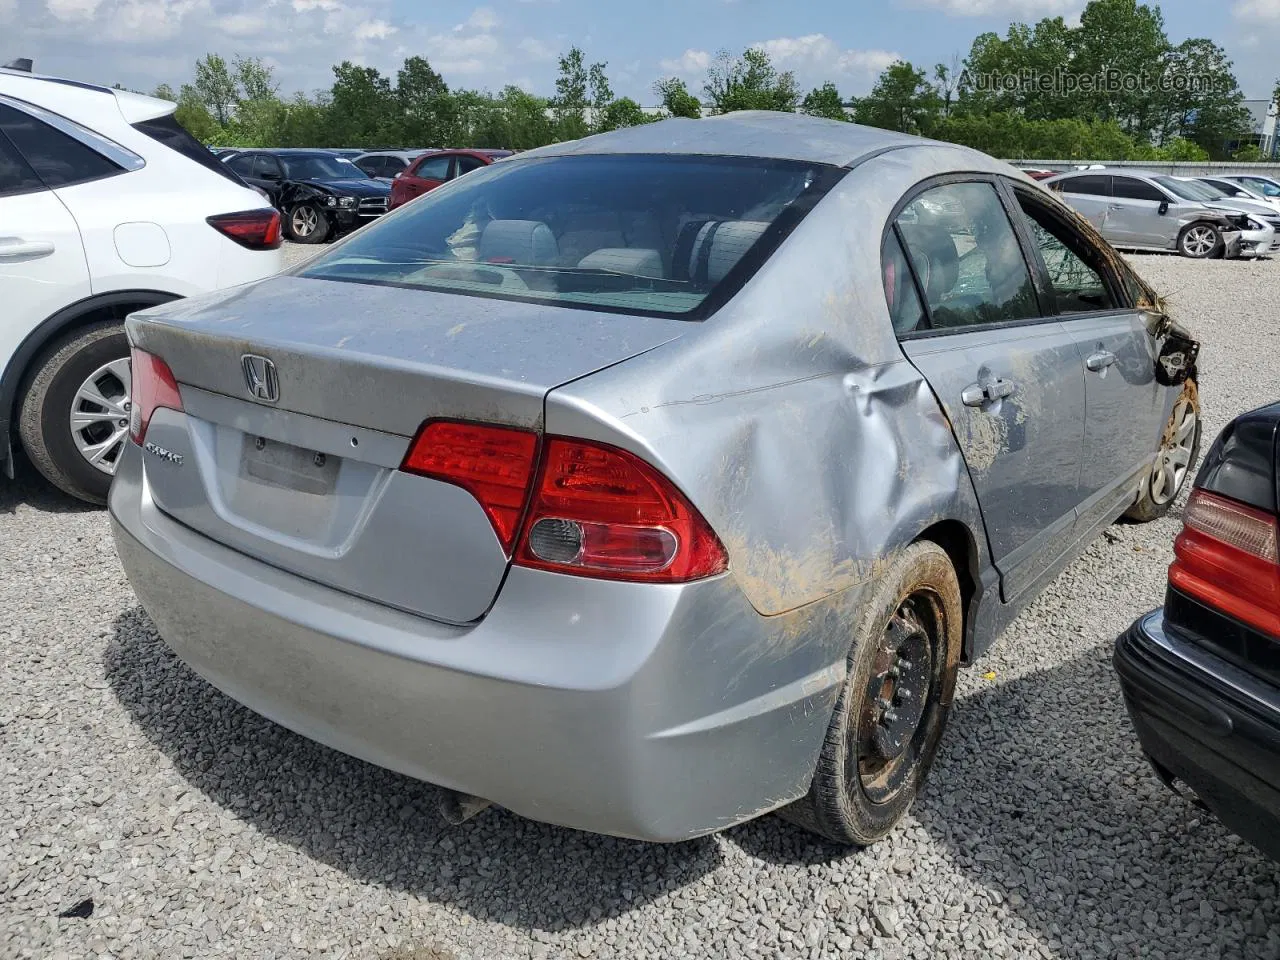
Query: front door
{"type": "Point", "coordinates": [1135, 218]}
{"type": "Point", "coordinates": [1008, 378]}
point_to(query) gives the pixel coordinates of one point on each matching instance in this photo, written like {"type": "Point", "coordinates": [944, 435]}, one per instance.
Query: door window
{"type": "Point", "coordinates": [1266, 187]}
{"type": "Point", "coordinates": [967, 257]}
{"type": "Point", "coordinates": [434, 168]}
{"type": "Point", "coordinates": [371, 166]}
{"type": "Point", "coordinates": [243, 164]}
{"type": "Point", "coordinates": [59, 160]}
{"type": "Point", "coordinates": [905, 309]}
{"type": "Point", "coordinates": [391, 166]}
{"type": "Point", "coordinates": [1091, 186]}
{"type": "Point", "coordinates": [467, 164]}
{"type": "Point", "coordinates": [1130, 189]}
{"type": "Point", "coordinates": [16, 175]}
{"type": "Point", "coordinates": [1073, 264]}
{"type": "Point", "coordinates": [267, 167]}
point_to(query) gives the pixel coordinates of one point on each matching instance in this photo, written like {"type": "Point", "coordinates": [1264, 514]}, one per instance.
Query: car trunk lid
{"type": "Point", "coordinates": [309, 480]}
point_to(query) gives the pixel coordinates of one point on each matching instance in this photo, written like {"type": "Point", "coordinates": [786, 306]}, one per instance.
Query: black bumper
{"type": "Point", "coordinates": [1207, 723]}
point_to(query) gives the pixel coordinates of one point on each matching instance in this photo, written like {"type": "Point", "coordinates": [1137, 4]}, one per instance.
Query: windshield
{"type": "Point", "coordinates": [1190, 189]}
{"type": "Point", "coordinates": [320, 167]}
{"type": "Point", "coordinates": [659, 235]}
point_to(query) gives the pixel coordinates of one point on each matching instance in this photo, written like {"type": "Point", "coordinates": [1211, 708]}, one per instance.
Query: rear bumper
{"type": "Point", "coordinates": [1209, 724]}
{"type": "Point", "coordinates": [658, 713]}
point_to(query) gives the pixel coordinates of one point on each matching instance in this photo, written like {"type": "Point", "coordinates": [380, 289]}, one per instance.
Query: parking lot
{"type": "Point", "coordinates": [200, 829]}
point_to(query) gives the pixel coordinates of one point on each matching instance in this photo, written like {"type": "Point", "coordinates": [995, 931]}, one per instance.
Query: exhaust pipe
{"type": "Point", "coordinates": [457, 808]}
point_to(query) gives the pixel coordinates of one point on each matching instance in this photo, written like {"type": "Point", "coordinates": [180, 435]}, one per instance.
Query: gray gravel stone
{"type": "Point", "coordinates": [202, 830]}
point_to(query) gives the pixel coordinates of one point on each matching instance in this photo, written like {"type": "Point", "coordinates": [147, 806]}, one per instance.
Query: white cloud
{"type": "Point", "coordinates": [1033, 9]}
{"type": "Point", "coordinates": [482, 19]}
{"type": "Point", "coordinates": [689, 62]}
{"type": "Point", "coordinates": [816, 58]}
{"type": "Point", "coordinates": [303, 6]}
{"type": "Point", "coordinates": [242, 24]}
{"type": "Point", "coordinates": [1257, 10]}
{"type": "Point", "coordinates": [7, 9]}
{"type": "Point", "coordinates": [374, 30]}
{"type": "Point", "coordinates": [69, 10]}
{"type": "Point", "coordinates": [536, 49]}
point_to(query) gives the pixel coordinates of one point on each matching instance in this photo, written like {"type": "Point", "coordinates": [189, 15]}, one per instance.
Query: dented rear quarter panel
{"type": "Point", "coordinates": [791, 417]}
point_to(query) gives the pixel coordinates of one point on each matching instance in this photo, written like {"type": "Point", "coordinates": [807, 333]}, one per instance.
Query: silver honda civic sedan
{"type": "Point", "coordinates": [648, 483]}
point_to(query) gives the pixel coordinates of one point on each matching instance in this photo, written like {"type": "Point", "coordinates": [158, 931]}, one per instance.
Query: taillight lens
{"type": "Point", "coordinates": [255, 229]}
{"type": "Point", "coordinates": [1227, 557]}
{"type": "Point", "coordinates": [493, 464]}
{"type": "Point", "coordinates": [599, 511]}
{"type": "Point", "coordinates": [153, 387]}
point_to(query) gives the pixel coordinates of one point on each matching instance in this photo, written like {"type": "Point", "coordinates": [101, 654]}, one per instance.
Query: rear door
{"type": "Point", "coordinates": [1135, 218]}
{"type": "Point", "coordinates": [42, 262]}
{"type": "Point", "coordinates": [1124, 405]}
{"type": "Point", "coordinates": [1007, 375]}
{"type": "Point", "coordinates": [430, 173]}
{"type": "Point", "coordinates": [1089, 195]}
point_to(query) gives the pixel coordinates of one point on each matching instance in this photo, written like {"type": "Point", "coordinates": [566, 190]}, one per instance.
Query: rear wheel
{"type": "Point", "coordinates": [889, 718]}
{"type": "Point", "coordinates": [1199, 241]}
{"type": "Point", "coordinates": [74, 418]}
{"type": "Point", "coordinates": [308, 224]}
{"type": "Point", "coordinates": [1173, 462]}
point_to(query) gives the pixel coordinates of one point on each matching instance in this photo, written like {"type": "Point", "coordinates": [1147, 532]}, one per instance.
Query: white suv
{"type": "Point", "coordinates": [107, 205]}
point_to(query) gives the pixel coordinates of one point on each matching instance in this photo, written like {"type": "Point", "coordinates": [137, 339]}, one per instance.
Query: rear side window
{"type": "Point", "coordinates": [168, 131]}
{"type": "Point", "coordinates": [242, 165]}
{"type": "Point", "coordinates": [372, 166]}
{"type": "Point", "coordinates": [1130, 189]}
{"type": "Point", "coordinates": [966, 254]}
{"type": "Point", "coordinates": [905, 309]}
{"type": "Point", "coordinates": [16, 175]}
{"type": "Point", "coordinates": [665, 235]}
{"type": "Point", "coordinates": [467, 164]}
{"type": "Point", "coordinates": [434, 168]}
{"type": "Point", "coordinates": [1088, 186]}
{"type": "Point", "coordinates": [58, 159]}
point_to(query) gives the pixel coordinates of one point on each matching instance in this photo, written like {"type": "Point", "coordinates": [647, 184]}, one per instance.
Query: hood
{"type": "Point", "coordinates": [1254, 208]}
{"type": "Point", "coordinates": [351, 187]}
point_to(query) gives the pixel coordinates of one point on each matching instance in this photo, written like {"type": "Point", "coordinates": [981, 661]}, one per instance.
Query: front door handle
{"type": "Point", "coordinates": [12, 248]}
{"type": "Point", "coordinates": [1099, 361]}
{"type": "Point", "coordinates": [980, 394]}
{"type": "Point", "coordinates": [1115, 206]}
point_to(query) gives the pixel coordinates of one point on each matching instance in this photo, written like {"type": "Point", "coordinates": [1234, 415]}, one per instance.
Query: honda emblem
{"type": "Point", "coordinates": [260, 377]}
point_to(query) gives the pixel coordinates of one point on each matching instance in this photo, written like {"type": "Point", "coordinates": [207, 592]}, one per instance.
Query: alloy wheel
{"type": "Point", "coordinates": [1173, 459]}
{"type": "Point", "coordinates": [99, 417]}
{"type": "Point", "coordinates": [1199, 241]}
{"type": "Point", "coordinates": [304, 221]}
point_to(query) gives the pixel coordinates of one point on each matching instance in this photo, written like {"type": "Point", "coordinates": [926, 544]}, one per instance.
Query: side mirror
{"type": "Point", "coordinates": [1163, 208]}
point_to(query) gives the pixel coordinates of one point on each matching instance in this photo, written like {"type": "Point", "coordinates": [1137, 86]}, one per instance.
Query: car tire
{"type": "Point", "coordinates": [875, 759]}
{"type": "Point", "coordinates": [1174, 460]}
{"type": "Point", "coordinates": [1200, 241]}
{"type": "Point", "coordinates": [307, 223]}
{"type": "Point", "coordinates": [56, 387]}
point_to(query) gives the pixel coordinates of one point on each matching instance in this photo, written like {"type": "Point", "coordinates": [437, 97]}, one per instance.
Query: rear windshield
{"type": "Point", "coordinates": [172, 134]}
{"type": "Point", "coordinates": [656, 235]}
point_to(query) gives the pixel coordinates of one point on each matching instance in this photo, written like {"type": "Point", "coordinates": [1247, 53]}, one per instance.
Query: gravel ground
{"type": "Point", "coordinates": [199, 829]}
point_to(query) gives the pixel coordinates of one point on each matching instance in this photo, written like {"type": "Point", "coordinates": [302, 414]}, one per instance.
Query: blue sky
{"type": "Point", "coordinates": [143, 42]}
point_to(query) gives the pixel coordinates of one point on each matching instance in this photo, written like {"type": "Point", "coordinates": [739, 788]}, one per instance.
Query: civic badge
{"type": "Point", "coordinates": [260, 377]}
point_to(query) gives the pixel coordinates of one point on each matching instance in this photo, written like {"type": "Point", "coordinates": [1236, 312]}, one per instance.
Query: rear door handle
{"type": "Point", "coordinates": [1100, 361]}
{"type": "Point", "coordinates": [11, 248]}
{"type": "Point", "coordinates": [1115, 206]}
{"type": "Point", "coordinates": [979, 394]}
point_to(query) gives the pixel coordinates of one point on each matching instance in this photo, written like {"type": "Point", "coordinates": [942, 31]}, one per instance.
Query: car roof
{"type": "Point", "coordinates": [748, 133]}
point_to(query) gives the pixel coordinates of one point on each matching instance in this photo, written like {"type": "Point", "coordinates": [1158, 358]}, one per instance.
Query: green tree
{"type": "Point", "coordinates": [676, 98]}
{"type": "Point", "coordinates": [196, 118]}
{"type": "Point", "coordinates": [749, 82]}
{"type": "Point", "coordinates": [1124, 41]}
{"type": "Point", "coordinates": [571, 100]}
{"type": "Point", "coordinates": [423, 102]}
{"type": "Point", "coordinates": [824, 101]}
{"type": "Point", "coordinates": [216, 87]}
{"type": "Point", "coordinates": [623, 112]}
{"type": "Point", "coordinates": [902, 99]}
{"type": "Point", "coordinates": [1201, 99]}
{"type": "Point", "coordinates": [363, 108]}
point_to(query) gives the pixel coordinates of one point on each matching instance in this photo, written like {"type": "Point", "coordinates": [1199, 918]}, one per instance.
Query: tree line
{"type": "Point", "coordinates": [1112, 87]}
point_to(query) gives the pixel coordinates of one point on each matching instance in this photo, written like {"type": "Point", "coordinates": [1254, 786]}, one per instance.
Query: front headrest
{"type": "Point", "coordinates": [933, 253]}
{"type": "Point", "coordinates": [528, 242]}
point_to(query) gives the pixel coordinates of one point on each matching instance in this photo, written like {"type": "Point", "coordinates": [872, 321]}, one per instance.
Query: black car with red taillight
{"type": "Point", "coordinates": [1201, 676]}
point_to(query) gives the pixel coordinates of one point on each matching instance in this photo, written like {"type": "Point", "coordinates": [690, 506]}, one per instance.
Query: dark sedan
{"type": "Point", "coordinates": [319, 195]}
{"type": "Point", "coordinates": [1201, 676]}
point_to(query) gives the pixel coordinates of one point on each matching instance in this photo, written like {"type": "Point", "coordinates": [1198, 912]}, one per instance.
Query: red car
{"type": "Point", "coordinates": [432, 169]}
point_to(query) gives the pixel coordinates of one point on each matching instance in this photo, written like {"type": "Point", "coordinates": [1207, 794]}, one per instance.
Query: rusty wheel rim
{"type": "Point", "coordinates": [893, 723]}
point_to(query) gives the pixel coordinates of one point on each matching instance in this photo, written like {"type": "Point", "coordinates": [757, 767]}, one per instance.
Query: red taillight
{"type": "Point", "coordinates": [594, 510]}
{"type": "Point", "coordinates": [598, 511]}
{"type": "Point", "coordinates": [255, 229]}
{"type": "Point", "coordinates": [493, 464]}
{"type": "Point", "coordinates": [1227, 557]}
{"type": "Point", "coordinates": [153, 387]}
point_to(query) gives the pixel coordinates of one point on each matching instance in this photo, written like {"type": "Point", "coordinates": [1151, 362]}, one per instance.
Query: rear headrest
{"type": "Point", "coordinates": [528, 242]}
{"type": "Point", "coordinates": [714, 247]}
{"type": "Point", "coordinates": [632, 261]}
